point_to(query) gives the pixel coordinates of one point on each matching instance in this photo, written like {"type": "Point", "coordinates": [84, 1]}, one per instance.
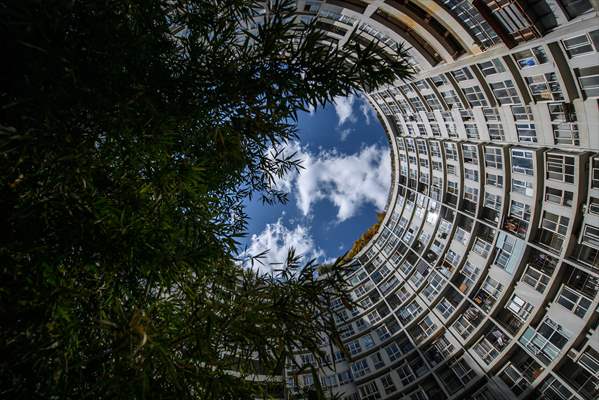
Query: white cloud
{"type": "Point", "coordinates": [311, 110]}
{"type": "Point", "coordinates": [278, 239]}
{"type": "Point", "coordinates": [367, 110]}
{"type": "Point", "coordinates": [348, 181]}
{"type": "Point", "coordinates": [344, 108]}
{"type": "Point", "coordinates": [345, 133]}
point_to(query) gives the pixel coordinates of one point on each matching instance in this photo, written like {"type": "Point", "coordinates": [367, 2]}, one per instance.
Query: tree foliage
{"type": "Point", "coordinates": [363, 239]}
{"type": "Point", "coordinates": [130, 134]}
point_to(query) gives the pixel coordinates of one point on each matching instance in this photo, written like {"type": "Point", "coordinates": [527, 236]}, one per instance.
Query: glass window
{"type": "Point", "coordinates": [505, 92]}
{"type": "Point", "coordinates": [558, 196]}
{"type": "Point", "coordinates": [522, 161]}
{"type": "Point", "coordinates": [547, 341]}
{"type": "Point", "coordinates": [530, 57]}
{"type": "Point", "coordinates": [574, 301]}
{"type": "Point", "coordinates": [491, 67]}
{"type": "Point", "coordinates": [494, 180]}
{"type": "Point", "coordinates": [545, 87]}
{"type": "Point", "coordinates": [589, 81]}
{"type": "Point", "coordinates": [582, 44]}
{"type": "Point", "coordinates": [520, 308]}
{"type": "Point", "coordinates": [475, 97]}
{"type": "Point", "coordinates": [560, 168]}
{"type": "Point", "coordinates": [470, 153]}
{"type": "Point", "coordinates": [522, 187]}
{"type": "Point", "coordinates": [493, 157]}
{"type": "Point", "coordinates": [462, 74]}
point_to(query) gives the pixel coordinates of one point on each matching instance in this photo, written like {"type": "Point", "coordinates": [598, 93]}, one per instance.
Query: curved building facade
{"type": "Point", "coordinates": [482, 280]}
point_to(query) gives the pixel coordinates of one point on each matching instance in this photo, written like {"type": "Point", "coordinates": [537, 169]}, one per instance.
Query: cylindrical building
{"type": "Point", "coordinates": [482, 280]}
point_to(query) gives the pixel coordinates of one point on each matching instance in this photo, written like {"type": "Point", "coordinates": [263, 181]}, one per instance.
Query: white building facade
{"type": "Point", "coordinates": [482, 280]}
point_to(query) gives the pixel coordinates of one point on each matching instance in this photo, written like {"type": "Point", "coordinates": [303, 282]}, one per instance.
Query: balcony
{"type": "Point", "coordinates": [538, 270]}
{"type": "Point", "coordinates": [490, 215]}
{"type": "Point", "coordinates": [516, 226]}
{"type": "Point", "coordinates": [551, 240]}
{"type": "Point", "coordinates": [468, 321]}
{"type": "Point", "coordinates": [493, 343]}
{"type": "Point", "coordinates": [587, 255]}
{"type": "Point", "coordinates": [520, 372]}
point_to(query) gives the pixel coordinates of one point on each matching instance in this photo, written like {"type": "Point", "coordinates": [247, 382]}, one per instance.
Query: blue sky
{"type": "Point", "coordinates": [334, 199]}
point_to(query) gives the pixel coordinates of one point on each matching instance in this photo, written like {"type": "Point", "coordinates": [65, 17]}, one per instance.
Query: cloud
{"type": "Point", "coordinates": [344, 109]}
{"type": "Point", "coordinates": [278, 239]}
{"type": "Point", "coordinates": [366, 109]}
{"type": "Point", "coordinates": [345, 133]}
{"type": "Point", "coordinates": [347, 181]}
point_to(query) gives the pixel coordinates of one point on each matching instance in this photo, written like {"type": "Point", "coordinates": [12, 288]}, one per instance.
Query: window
{"type": "Point", "coordinates": [522, 187]}
{"type": "Point", "coordinates": [360, 368]}
{"type": "Point", "coordinates": [560, 168]}
{"type": "Point", "coordinates": [344, 377]}
{"type": "Point", "coordinates": [491, 67]}
{"type": "Point", "coordinates": [494, 180]}
{"type": "Point", "coordinates": [520, 210]}
{"type": "Point", "coordinates": [492, 201]}
{"type": "Point", "coordinates": [462, 74]}
{"type": "Point", "coordinates": [470, 153]}
{"type": "Point", "coordinates": [475, 97]}
{"type": "Point", "coordinates": [452, 187]}
{"type": "Point", "coordinates": [505, 92]}
{"type": "Point", "coordinates": [308, 380]}
{"type": "Point", "coordinates": [471, 194]}
{"type": "Point", "coordinates": [463, 371]}
{"type": "Point", "coordinates": [383, 333]}
{"type": "Point", "coordinates": [450, 151]}
{"type": "Point", "coordinates": [522, 162]}
{"type": "Point", "coordinates": [354, 347]}
{"type": "Point", "coordinates": [481, 248]}
{"type": "Point", "coordinates": [547, 341]}
{"type": "Point", "coordinates": [473, 21]}
{"type": "Point", "coordinates": [393, 352]}
{"type": "Point", "coordinates": [439, 80]}
{"type": "Point", "coordinates": [504, 252]}
{"type": "Point", "coordinates": [433, 102]}
{"type": "Point", "coordinates": [494, 124]}
{"type": "Point", "coordinates": [471, 174]}
{"type": "Point", "coordinates": [530, 57]}
{"type": "Point", "coordinates": [520, 308]}
{"type": "Point", "coordinates": [435, 149]}
{"type": "Point", "coordinates": [558, 196]}
{"type": "Point", "coordinates": [492, 287]}
{"type": "Point", "coordinates": [535, 278]}
{"type": "Point", "coordinates": [409, 312]}
{"type": "Point", "coordinates": [582, 44]}
{"type": "Point", "coordinates": [471, 131]}
{"type": "Point", "coordinates": [367, 341]}
{"type": "Point", "coordinates": [589, 81]}
{"type": "Point", "coordinates": [574, 301]}
{"type": "Point", "coordinates": [574, 8]}
{"type": "Point", "coordinates": [445, 308]}
{"type": "Point", "coordinates": [451, 98]}
{"type": "Point", "coordinates": [527, 132]}
{"type": "Point", "coordinates": [553, 389]}
{"type": "Point", "coordinates": [451, 170]}
{"type": "Point", "coordinates": [369, 391]}
{"type": "Point", "coordinates": [590, 236]}
{"type": "Point", "coordinates": [593, 205]}
{"type": "Point", "coordinates": [544, 87]}
{"type": "Point", "coordinates": [493, 157]}
{"type": "Point", "coordinates": [388, 384]}
{"type": "Point", "coordinates": [405, 374]}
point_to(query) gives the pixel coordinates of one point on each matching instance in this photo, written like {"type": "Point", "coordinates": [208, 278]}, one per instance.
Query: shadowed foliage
{"type": "Point", "coordinates": [130, 134]}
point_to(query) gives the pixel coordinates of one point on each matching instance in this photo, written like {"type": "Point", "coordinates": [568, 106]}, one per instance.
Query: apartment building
{"type": "Point", "coordinates": [482, 280]}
